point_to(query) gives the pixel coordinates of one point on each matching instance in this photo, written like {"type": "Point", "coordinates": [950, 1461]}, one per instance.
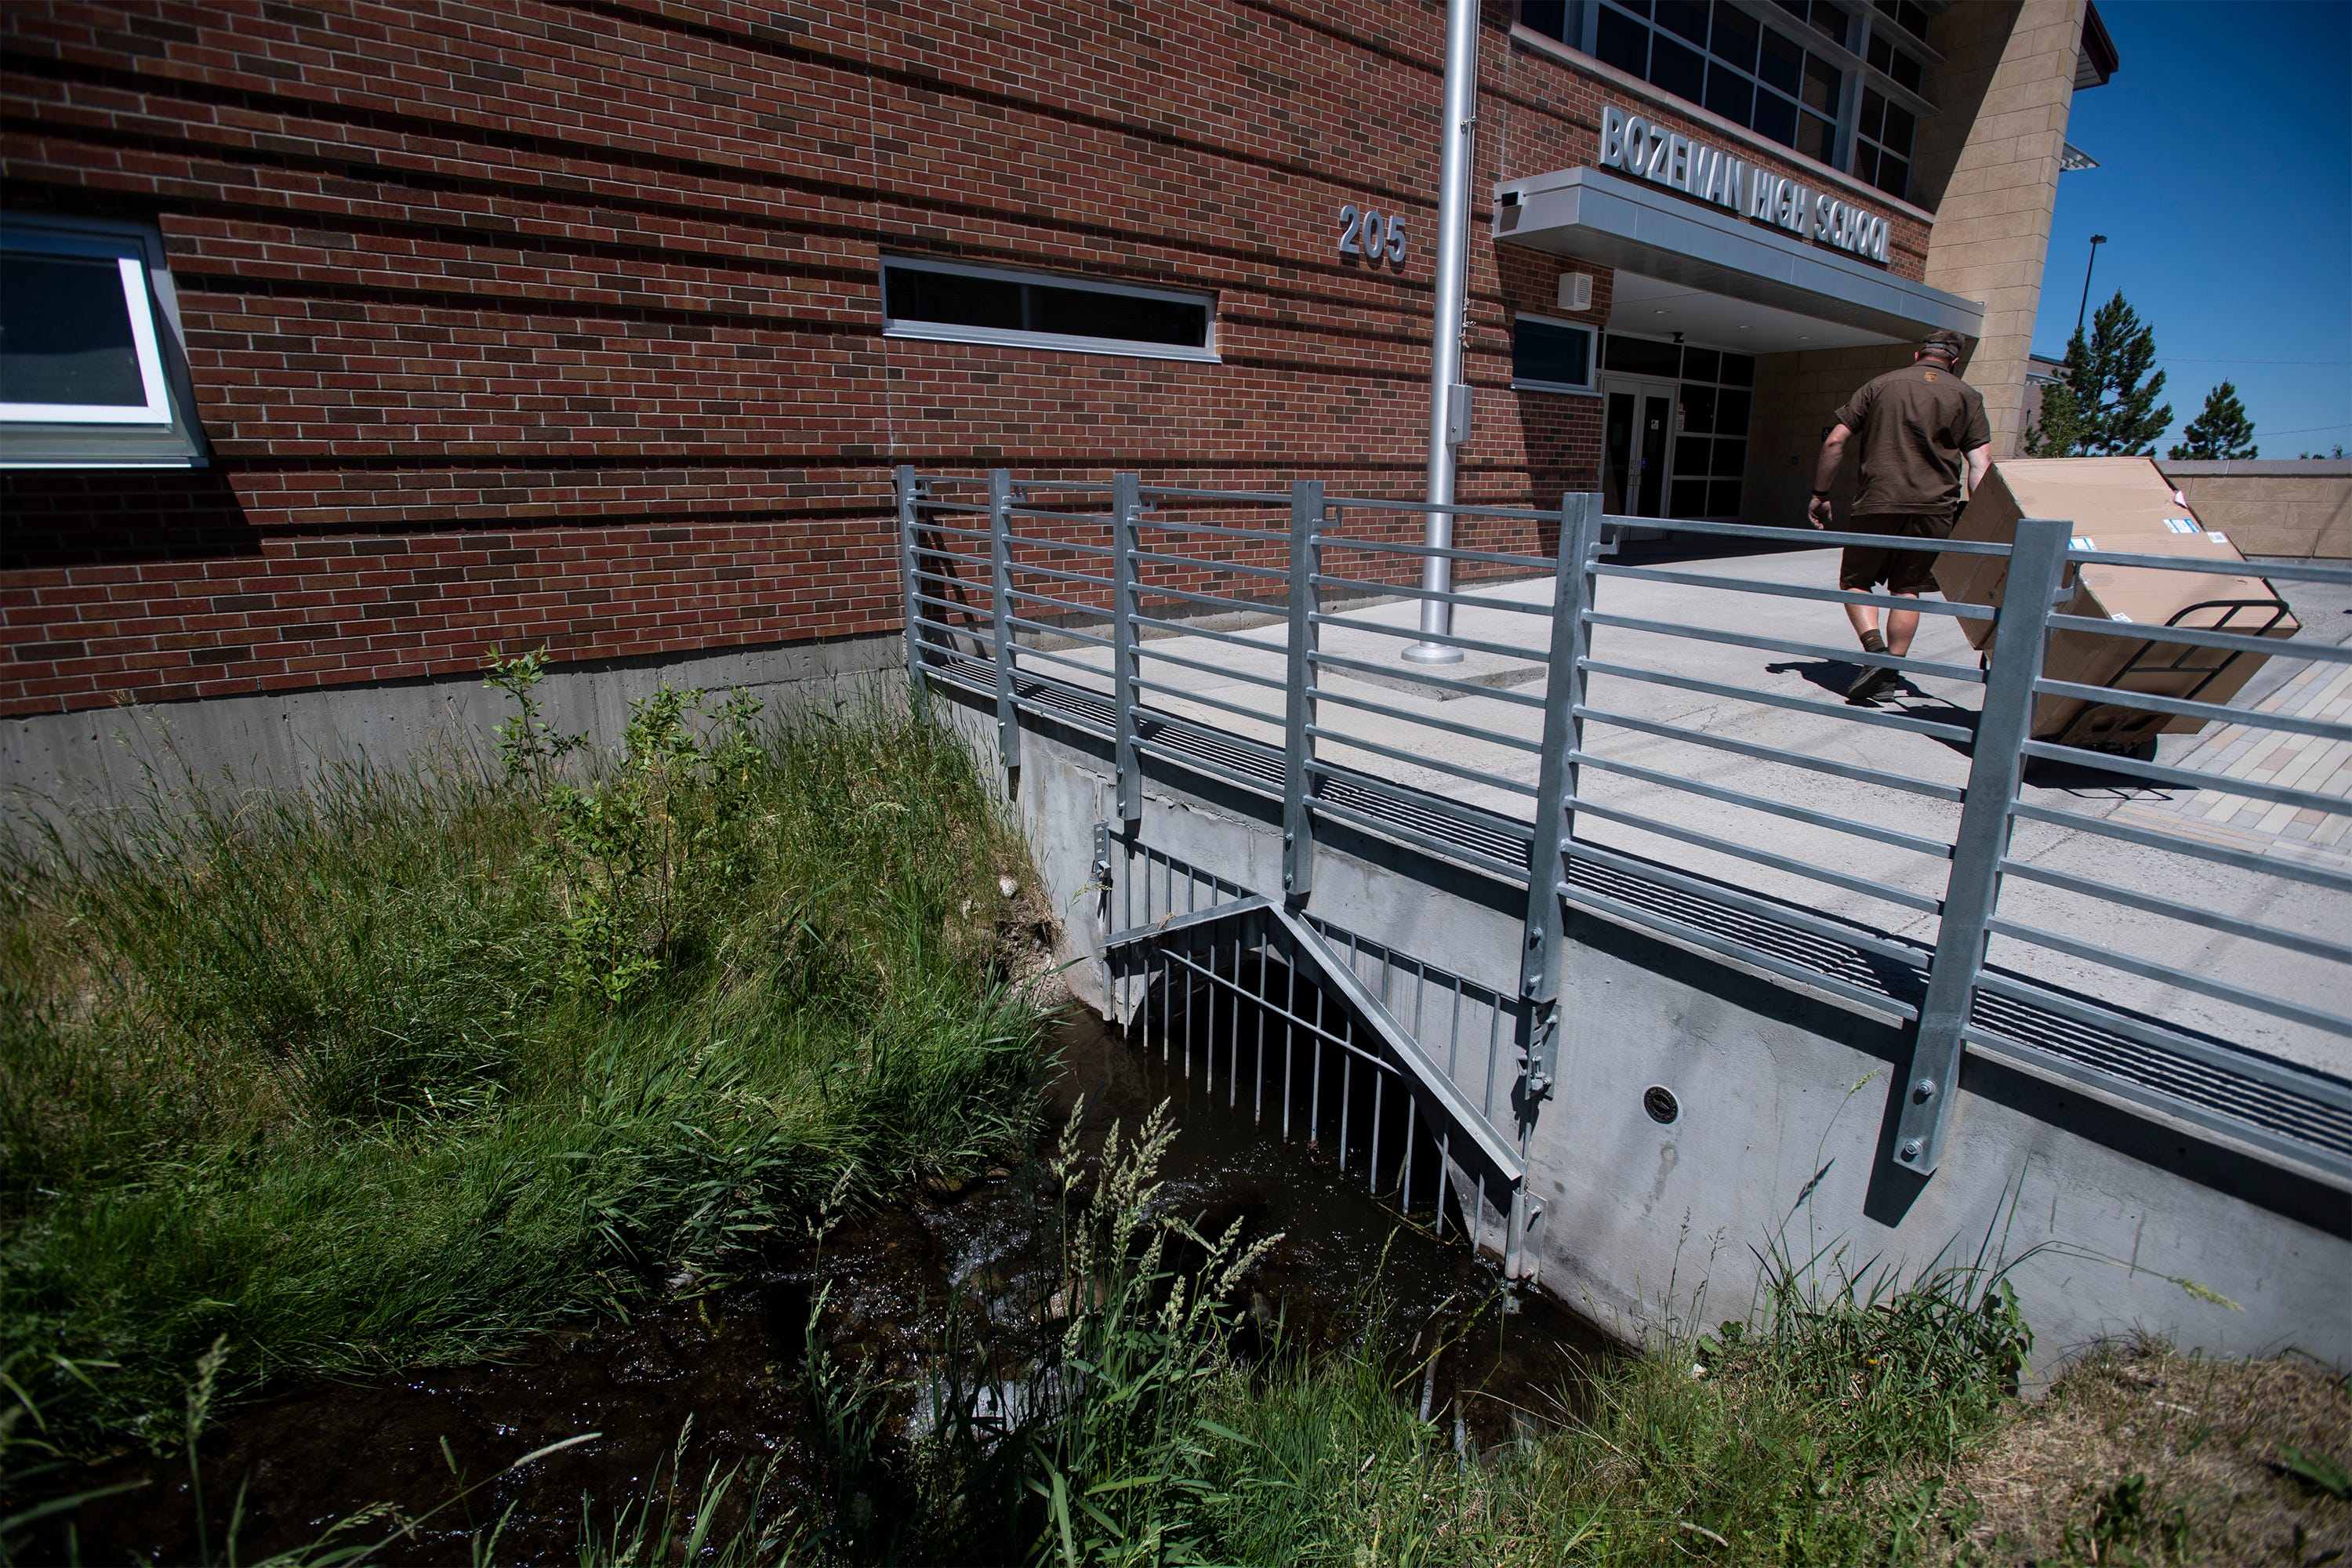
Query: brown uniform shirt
{"type": "Point", "coordinates": [1915, 425]}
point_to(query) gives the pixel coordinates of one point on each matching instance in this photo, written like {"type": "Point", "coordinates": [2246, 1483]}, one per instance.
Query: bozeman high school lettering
{"type": "Point", "coordinates": [1630, 143]}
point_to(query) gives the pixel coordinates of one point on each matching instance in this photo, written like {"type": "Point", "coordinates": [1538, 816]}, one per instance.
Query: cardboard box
{"type": "Point", "coordinates": [2122, 504]}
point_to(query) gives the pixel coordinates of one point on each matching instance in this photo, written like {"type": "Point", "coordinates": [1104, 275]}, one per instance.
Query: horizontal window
{"type": "Point", "coordinates": [91, 370]}
{"type": "Point", "coordinates": [1550, 356]}
{"type": "Point", "coordinates": [978, 304]}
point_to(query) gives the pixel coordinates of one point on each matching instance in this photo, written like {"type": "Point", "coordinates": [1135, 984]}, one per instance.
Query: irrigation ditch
{"type": "Point", "coordinates": [896, 1289]}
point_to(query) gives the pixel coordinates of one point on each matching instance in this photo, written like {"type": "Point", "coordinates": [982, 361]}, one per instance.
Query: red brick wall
{"type": "Point", "coordinates": [561, 323]}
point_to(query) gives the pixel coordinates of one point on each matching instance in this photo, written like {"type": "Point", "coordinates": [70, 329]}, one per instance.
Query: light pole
{"type": "Point", "coordinates": [1449, 413]}
{"type": "Point", "coordinates": [2096, 240]}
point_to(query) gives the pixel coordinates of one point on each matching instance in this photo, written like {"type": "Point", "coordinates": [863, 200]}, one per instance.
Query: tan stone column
{"type": "Point", "coordinates": [1993, 225]}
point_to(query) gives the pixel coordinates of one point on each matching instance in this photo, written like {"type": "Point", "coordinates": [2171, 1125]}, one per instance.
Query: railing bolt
{"type": "Point", "coordinates": [1924, 1091]}
{"type": "Point", "coordinates": [1911, 1150]}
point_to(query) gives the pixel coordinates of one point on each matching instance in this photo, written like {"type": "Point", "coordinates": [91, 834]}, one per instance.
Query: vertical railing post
{"type": "Point", "coordinates": [1563, 740]}
{"type": "Point", "coordinates": [1000, 604]}
{"type": "Point", "coordinates": [907, 489]}
{"type": "Point", "coordinates": [2036, 561]}
{"type": "Point", "coordinates": [1298, 696]}
{"type": "Point", "coordinates": [1126, 504]}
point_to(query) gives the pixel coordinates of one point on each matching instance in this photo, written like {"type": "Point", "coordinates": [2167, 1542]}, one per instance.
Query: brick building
{"type": "Point", "coordinates": [343, 342]}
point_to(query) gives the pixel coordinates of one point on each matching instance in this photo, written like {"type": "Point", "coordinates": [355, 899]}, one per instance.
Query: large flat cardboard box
{"type": "Point", "coordinates": [2122, 504]}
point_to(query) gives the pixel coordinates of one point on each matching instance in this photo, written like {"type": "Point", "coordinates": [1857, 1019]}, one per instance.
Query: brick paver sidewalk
{"type": "Point", "coordinates": [2298, 761]}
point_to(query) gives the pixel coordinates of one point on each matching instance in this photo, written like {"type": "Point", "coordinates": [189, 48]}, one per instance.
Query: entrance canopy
{"type": "Point", "coordinates": [1591, 214]}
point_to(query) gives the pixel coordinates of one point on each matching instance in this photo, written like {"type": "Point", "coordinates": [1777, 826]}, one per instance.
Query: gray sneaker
{"type": "Point", "coordinates": [1866, 687]}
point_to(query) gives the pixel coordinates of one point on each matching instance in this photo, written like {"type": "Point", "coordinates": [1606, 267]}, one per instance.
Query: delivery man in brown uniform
{"type": "Point", "coordinates": [1919, 427]}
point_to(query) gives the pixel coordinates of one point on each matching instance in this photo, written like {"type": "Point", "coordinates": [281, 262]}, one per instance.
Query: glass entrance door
{"type": "Point", "coordinates": [1636, 444]}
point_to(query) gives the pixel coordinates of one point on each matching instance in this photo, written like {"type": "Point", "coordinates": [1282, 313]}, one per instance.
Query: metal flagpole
{"type": "Point", "coordinates": [1449, 400]}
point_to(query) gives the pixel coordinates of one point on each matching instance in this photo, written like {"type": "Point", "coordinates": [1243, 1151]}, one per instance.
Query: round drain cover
{"type": "Point", "coordinates": [1660, 1102]}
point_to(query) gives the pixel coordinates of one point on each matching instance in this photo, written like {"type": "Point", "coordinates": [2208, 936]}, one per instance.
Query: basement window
{"type": "Point", "coordinates": [949, 302]}
{"type": "Point", "coordinates": [1550, 356]}
{"type": "Point", "coordinates": [91, 372]}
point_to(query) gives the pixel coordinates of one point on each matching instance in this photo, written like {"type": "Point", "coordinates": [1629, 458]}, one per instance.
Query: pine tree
{"type": "Point", "coordinates": [2222, 432]}
{"type": "Point", "coordinates": [2107, 405]}
{"type": "Point", "coordinates": [2057, 431]}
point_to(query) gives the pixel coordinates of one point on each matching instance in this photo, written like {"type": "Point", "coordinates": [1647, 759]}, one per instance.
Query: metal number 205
{"type": "Point", "coordinates": [1370, 234]}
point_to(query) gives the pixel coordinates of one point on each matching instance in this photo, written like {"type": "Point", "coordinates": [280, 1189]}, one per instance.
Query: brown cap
{"type": "Point", "coordinates": [1947, 345]}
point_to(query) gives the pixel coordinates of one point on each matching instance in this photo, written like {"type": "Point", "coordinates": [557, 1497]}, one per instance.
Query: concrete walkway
{"type": "Point", "coordinates": [1204, 676]}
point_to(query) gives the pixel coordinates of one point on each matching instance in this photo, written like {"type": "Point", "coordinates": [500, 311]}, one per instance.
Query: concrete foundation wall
{"type": "Point", "coordinates": [2296, 507]}
{"type": "Point", "coordinates": [57, 764]}
{"type": "Point", "coordinates": [1776, 1087]}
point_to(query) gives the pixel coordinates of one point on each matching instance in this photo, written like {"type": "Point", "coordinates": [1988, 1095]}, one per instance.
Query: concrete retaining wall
{"type": "Point", "coordinates": [1777, 1087]}
{"type": "Point", "coordinates": [2295, 508]}
{"type": "Point", "coordinates": [54, 765]}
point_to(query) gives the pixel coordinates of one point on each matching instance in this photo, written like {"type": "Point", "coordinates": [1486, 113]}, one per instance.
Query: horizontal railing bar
{"type": "Point", "coordinates": [981, 534]}
{"type": "Point", "coordinates": [1855, 771]}
{"type": "Point", "coordinates": [1104, 485]}
{"type": "Point", "coordinates": [1731, 947]}
{"type": "Point", "coordinates": [1404, 591]}
{"type": "Point", "coordinates": [1258, 715]}
{"type": "Point", "coordinates": [1088, 638]}
{"type": "Point", "coordinates": [2263, 1068]}
{"type": "Point", "coordinates": [1413, 634]}
{"type": "Point", "coordinates": [1434, 845]}
{"type": "Point", "coordinates": [1180, 629]}
{"type": "Point", "coordinates": [2243, 860]}
{"type": "Point", "coordinates": [1812, 873]}
{"type": "Point", "coordinates": [1325, 694]}
{"type": "Point", "coordinates": [1781, 645]}
{"type": "Point", "coordinates": [974, 634]}
{"type": "Point", "coordinates": [1021, 654]}
{"type": "Point", "coordinates": [1279, 574]}
{"type": "Point", "coordinates": [1270, 498]}
{"type": "Point", "coordinates": [2189, 778]}
{"type": "Point", "coordinates": [983, 616]}
{"type": "Point", "coordinates": [2291, 572]}
{"type": "Point", "coordinates": [1752, 904]}
{"type": "Point", "coordinates": [1280, 539]}
{"type": "Point", "coordinates": [2269, 1144]}
{"type": "Point", "coordinates": [1797, 591]}
{"type": "Point", "coordinates": [982, 561]}
{"type": "Point", "coordinates": [2172, 909]}
{"type": "Point", "coordinates": [2214, 712]}
{"type": "Point", "coordinates": [1467, 688]}
{"type": "Point", "coordinates": [1168, 753]}
{"type": "Point", "coordinates": [2196, 637]}
{"type": "Point", "coordinates": [1147, 650]}
{"type": "Point", "coordinates": [1455, 770]}
{"type": "Point", "coordinates": [1446, 509]}
{"type": "Point", "coordinates": [2168, 975]}
{"type": "Point", "coordinates": [1450, 552]}
{"type": "Point", "coordinates": [1820, 538]}
{"type": "Point", "coordinates": [1061, 574]}
{"type": "Point", "coordinates": [1150, 590]}
{"type": "Point", "coordinates": [1888, 835]}
{"type": "Point", "coordinates": [1843, 712]}
{"type": "Point", "coordinates": [980, 508]}
{"type": "Point", "coordinates": [1091, 611]}
{"type": "Point", "coordinates": [1016, 509]}
{"type": "Point", "coordinates": [1105, 551]}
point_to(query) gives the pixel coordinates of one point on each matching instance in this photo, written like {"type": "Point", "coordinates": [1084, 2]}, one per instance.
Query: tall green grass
{"type": "Point", "coordinates": [412, 1064]}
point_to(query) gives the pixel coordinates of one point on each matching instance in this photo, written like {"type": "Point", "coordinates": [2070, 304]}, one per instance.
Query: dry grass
{"type": "Point", "coordinates": [2055, 1483]}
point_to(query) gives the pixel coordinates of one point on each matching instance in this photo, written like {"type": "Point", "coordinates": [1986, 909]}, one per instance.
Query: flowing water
{"type": "Point", "coordinates": [897, 1288]}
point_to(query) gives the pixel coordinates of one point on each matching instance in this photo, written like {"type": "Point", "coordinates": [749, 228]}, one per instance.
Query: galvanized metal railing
{"type": "Point", "coordinates": [1239, 634]}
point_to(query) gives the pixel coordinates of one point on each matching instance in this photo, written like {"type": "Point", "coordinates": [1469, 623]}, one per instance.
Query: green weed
{"type": "Point", "coordinates": [414, 1065]}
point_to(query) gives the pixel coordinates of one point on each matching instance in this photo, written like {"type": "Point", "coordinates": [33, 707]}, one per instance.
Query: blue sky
{"type": "Point", "coordinates": [2225, 192]}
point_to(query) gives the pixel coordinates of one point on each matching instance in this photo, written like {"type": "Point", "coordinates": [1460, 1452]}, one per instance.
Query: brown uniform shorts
{"type": "Point", "coordinates": [1866, 566]}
